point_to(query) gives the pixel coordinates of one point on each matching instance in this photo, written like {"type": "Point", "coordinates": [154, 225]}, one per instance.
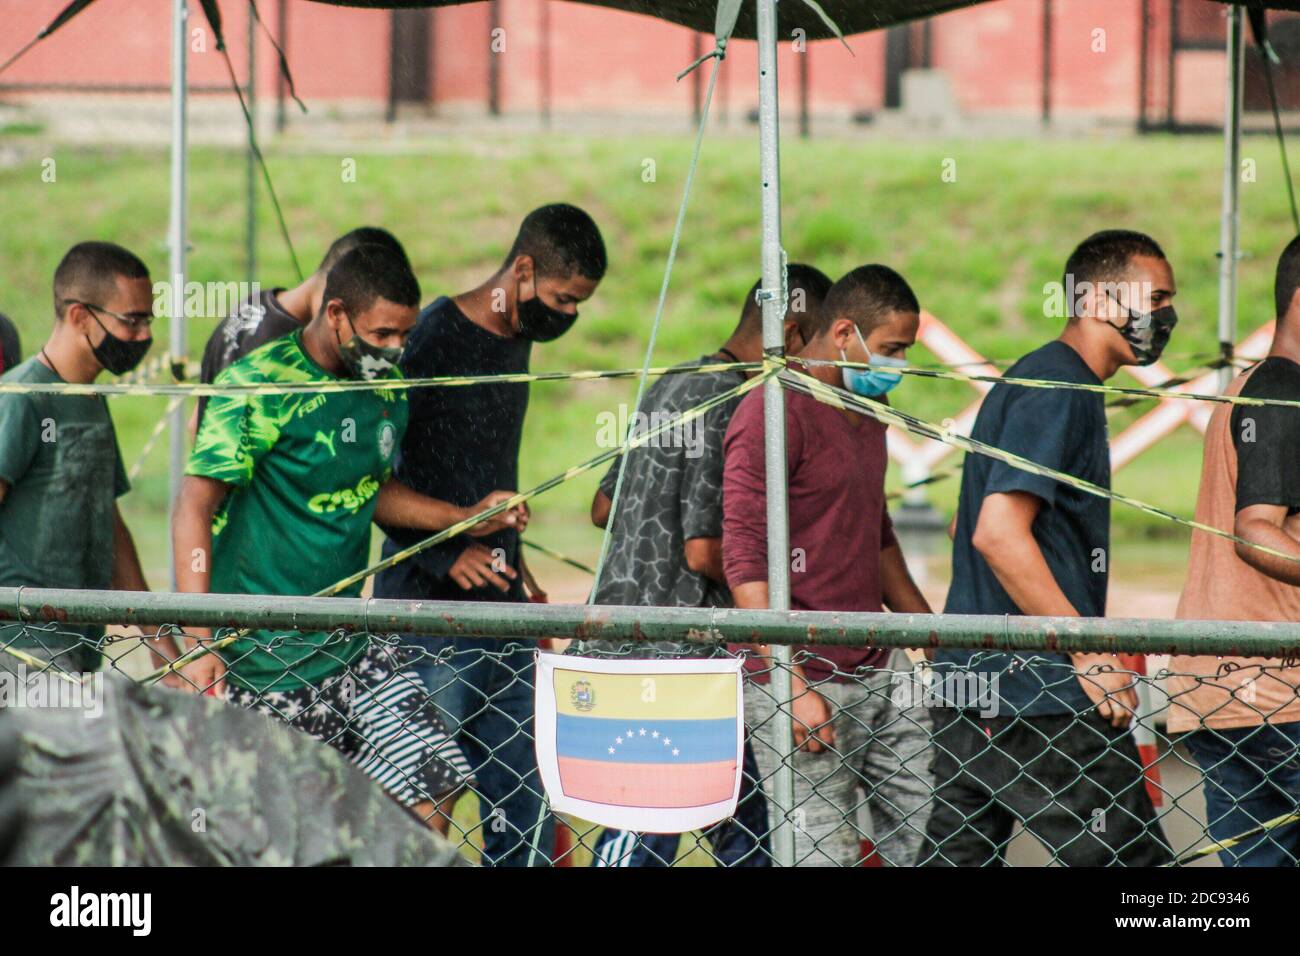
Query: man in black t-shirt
{"type": "Point", "coordinates": [278, 311]}
{"type": "Point", "coordinates": [1044, 740]}
{"type": "Point", "coordinates": [460, 439]}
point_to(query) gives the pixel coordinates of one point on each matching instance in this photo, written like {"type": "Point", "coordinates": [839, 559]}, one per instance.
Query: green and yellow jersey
{"type": "Point", "coordinates": [305, 471]}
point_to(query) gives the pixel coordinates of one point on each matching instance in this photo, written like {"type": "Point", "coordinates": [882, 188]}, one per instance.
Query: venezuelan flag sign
{"type": "Point", "coordinates": [646, 745]}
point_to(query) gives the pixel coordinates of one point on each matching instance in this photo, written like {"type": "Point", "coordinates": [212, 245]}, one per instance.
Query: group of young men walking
{"type": "Point", "coordinates": [282, 487]}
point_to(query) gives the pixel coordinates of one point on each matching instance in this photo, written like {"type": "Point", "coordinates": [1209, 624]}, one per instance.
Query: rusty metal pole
{"type": "Point", "coordinates": [506, 622]}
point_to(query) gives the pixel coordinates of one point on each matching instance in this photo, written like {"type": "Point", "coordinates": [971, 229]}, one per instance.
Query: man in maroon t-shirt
{"type": "Point", "coordinates": [848, 730]}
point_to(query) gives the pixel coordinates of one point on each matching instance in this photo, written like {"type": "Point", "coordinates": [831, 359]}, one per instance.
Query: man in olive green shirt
{"type": "Point", "coordinates": [60, 466]}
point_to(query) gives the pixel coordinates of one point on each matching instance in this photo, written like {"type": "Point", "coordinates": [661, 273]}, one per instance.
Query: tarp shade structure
{"type": "Point", "coordinates": [851, 16]}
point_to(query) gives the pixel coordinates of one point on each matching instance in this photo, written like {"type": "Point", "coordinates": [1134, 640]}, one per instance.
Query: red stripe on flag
{"type": "Point", "coordinates": [656, 785]}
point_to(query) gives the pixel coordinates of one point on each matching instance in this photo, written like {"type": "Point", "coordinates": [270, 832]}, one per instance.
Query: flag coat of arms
{"type": "Point", "coordinates": [647, 745]}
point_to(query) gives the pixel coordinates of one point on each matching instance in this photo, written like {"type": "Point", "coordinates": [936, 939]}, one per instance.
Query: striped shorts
{"type": "Point", "coordinates": [376, 712]}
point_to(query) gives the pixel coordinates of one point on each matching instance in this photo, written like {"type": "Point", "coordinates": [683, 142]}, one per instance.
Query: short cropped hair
{"type": "Point", "coordinates": [364, 236]}
{"type": "Point", "coordinates": [1287, 279]}
{"type": "Point", "coordinates": [562, 240]}
{"type": "Point", "coordinates": [1104, 257]}
{"type": "Point", "coordinates": [89, 273]}
{"type": "Point", "coordinates": [868, 296]}
{"type": "Point", "coordinates": [368, 273]}
{"type": "Point", "coordinates": [806, 288]}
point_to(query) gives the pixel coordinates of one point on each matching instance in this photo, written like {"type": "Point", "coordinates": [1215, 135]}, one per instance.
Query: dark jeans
{"type": "Point", "coordinates": [1252, 775]}
{"type": "Point", "coordinates": [1072, 780]}
{"type": "Point", "coordinates": [484, 694]}
{"type": "Point", "coordinates": [741, 840]}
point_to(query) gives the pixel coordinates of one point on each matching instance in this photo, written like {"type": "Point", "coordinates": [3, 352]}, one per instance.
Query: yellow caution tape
{"type": "Point", "coordinates": [839, 398]}
{"type": "Point", "coordinates": [1131, 391]}
{"type": "Point", "coordinates": [184, 389]}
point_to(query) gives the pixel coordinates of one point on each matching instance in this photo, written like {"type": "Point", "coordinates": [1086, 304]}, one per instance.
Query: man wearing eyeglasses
{"type": "Point", "coordinates": [61, 468]}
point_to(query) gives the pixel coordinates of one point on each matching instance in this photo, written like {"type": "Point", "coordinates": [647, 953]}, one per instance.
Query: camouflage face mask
{"type": "Point", "coordinates": [1147, 333]}
{"type": "Point", "coordinates": [364, 360]}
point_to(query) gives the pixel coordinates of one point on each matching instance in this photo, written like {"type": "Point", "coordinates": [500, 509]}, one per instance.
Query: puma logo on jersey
{"type": "Point", "coordinates": [327, 441]}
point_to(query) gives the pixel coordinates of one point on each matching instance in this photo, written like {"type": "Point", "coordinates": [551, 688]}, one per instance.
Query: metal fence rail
{"type": "Point", "coordinates": [921, 763]}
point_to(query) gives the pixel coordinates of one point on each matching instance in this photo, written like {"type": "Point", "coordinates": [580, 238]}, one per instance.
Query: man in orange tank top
{"type": "Point", "coordinates": [1243, 714]}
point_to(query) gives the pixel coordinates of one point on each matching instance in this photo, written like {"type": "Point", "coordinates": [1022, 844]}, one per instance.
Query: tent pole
{"type": "Point", "coordinates": [250, 254]}
{"type": "Point", "coordinates": [778, 527]}
{"type": "Point", "coordinates": [177, 234]}
{"type": "Point", "coordinates": [1230, 220]}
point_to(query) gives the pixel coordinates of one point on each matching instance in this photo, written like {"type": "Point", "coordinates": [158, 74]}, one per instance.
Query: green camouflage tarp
{"type": "Point", "coordinates": [164, 778]}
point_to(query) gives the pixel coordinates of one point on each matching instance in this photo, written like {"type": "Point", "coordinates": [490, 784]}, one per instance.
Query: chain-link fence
{"type": "Point", "coordinates": [976, 757]}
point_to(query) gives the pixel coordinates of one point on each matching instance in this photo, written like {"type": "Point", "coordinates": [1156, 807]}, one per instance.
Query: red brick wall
{"type": "Point", "coordinates": [607, 61]}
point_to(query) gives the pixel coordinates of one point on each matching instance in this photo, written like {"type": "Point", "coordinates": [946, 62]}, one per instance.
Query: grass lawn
{"type": "Point", "coordinates": [978, 252]}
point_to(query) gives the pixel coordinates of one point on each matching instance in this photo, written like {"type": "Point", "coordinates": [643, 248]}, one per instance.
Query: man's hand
{"type": "Point", "coordinates": [475, 568]}
{"type": "Point", "coordinates": [205, 673]}
{"type": "Point", "coordinates": [812, 721]}
{"type": "Point", "coordinates": [1114, 692]}
{"type": "Point", "coordinates": [531, 587]}
{"type": "Point", "coordinates": [516, 517]}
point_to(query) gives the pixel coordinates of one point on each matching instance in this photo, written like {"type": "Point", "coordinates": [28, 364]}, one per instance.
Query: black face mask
{"type": "Point", "coordinates": [538, 321]}
{"type": "Point", "coordinates": [118, 356]}
{"type": "Point", "coordinates": [1147, 333]}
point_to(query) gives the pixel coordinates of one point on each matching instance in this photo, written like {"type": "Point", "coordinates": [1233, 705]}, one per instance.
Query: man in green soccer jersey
{"type": "Point", "coordinates": [278, 498]}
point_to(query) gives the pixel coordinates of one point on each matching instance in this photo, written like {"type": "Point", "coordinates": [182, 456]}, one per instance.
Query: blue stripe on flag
{"type": "Point", "coordinates": [645, 741]}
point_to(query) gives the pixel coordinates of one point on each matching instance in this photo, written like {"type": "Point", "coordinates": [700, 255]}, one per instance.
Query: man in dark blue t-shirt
{"type": "Point", "coordinates": [1042, 737]}
{"type": "Point", "coordinates": [463, 439]}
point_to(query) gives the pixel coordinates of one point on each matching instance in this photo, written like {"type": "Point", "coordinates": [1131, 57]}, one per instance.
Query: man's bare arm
{"type": "Point", "coordinates": [404, 507]}
{"type": "Point", "coordinates": [811, 714]}
{"type": "Point", "coordinates": [600, 505]}
{"type": "Point", "coordinates": [704, 556]}
{"type": "Point", "coordinates": [897, 589]}
{"type": "Point", "coordinates": [127, 573]}
{"type": "Point", "coordinates": [196, 503]}
{"type": "Point", "coordinates": [1267, 525]}
{"type": "Point", "coordinates": [1004, 537]}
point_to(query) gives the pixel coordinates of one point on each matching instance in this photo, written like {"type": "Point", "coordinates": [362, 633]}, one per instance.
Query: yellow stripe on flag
{"type": "Point", "coordinates": [652, 695]}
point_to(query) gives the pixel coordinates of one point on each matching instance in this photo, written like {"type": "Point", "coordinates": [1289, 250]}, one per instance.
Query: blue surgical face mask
{"type": "Point", "coordinates": [871, 382]}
